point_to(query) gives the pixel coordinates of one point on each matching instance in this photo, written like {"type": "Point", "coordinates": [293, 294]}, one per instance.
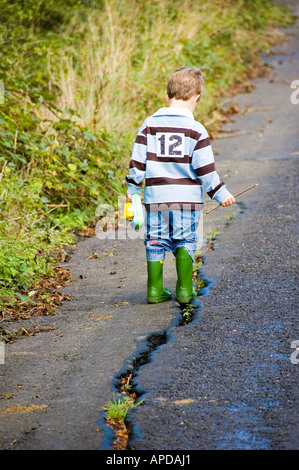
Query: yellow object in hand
{"type": "Point", "coordinates": [129, 211]}
{"type": "Point", "coordinates": [134, 212]}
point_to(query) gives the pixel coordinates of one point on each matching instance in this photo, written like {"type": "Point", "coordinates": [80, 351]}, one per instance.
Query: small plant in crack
{"type": "Point", "coordinates": [117, 409]}
{"type": "Point", "coordinates": [116, 413]}
{"type": "Point", "coordinates": [211, 239]}
{"type": "Point", "coordinates": [126, 385]}
{"type": "Point", "coordinates": [230, 216]}
{"type": "Point", "coordinates": [214, 234]}
{"type": "Point", "coordinates": [188, 313]}
{"type": "Point", "coordinates": [200, 283]}
{"type": "Point", "coordinates": [198, 263]}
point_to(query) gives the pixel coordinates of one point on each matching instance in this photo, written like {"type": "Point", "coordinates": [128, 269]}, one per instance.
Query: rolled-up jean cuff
{"type": "Point", "coordinates": [155, 254]}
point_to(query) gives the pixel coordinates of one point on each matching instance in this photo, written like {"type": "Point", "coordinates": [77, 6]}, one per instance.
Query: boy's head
{"type": "Point", "coordinates": [185, 83]}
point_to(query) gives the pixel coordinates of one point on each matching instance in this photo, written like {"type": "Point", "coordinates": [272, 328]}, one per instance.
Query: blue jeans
{"type": "Point", "coordinates": [167, 230]}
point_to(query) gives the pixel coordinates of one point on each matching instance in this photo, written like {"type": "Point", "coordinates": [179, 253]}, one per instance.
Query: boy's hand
{"type": "Point", "coordinates": [128, 198]}
{"type": "Point", "coordinates": [228, 201]}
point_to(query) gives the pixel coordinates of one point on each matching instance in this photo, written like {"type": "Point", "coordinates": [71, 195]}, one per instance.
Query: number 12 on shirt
{"type": "Point", "coordinates": [170, 145]}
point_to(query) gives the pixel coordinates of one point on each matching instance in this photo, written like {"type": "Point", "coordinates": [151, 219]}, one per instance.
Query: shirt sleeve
{"type": "Point", "coordinates": [203, 164]}
{"type": "Point", "coordinates": [138, 162]}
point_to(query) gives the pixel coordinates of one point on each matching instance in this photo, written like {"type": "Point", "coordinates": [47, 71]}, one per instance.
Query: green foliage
{"type": "Point", "coordinates": [188, 313]}
{"type": "Point", "coordinates": [118, 408]}
{"type": "Point", "coordinates": [53, 175]}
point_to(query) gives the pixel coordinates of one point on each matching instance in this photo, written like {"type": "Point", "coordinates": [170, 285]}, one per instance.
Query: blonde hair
{"type": "Point", "coordinates": [184, 83]}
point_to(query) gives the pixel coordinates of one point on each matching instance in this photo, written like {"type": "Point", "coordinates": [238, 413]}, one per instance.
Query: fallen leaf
{"type": "Point", "coordinates": [235, 109]}
{"type": "Point", "coordinates": [7, 396]}
{"type": "Point", "coordinates": [94, 255]}
{"type": "Point", "coordinates": [185, 401]}
{"type": "Point", "coordinates": [23, 408]}
{"type": "Point", "coordinates": [87, 232]}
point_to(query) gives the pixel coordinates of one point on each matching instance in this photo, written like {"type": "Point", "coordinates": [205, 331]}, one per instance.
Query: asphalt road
{"type": "Point", "coordinates": [229, 381]}
{"type": "Point", "coordinates": [225, 381]}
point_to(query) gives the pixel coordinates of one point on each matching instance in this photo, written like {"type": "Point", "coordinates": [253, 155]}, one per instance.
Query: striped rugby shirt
{"type": "Point", "coordinates": [173, 153]}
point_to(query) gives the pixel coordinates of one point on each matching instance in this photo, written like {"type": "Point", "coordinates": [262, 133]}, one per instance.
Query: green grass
{"type": "Point", "coordinates": [117, 409]}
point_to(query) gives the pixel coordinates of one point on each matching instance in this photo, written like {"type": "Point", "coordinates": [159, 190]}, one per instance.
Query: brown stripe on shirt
{"type": "Point", "coordinates": [202, 144]}
{"type": "Point", "coordinates": [174, 130]}
{"type": "Point", "coordinates": [139, 165]}
{"type": "Point", "coordinates": [159, 181]}
{"type": "Point", "coordinates": [141, 139]}
{"type": "Point", "coordinates": [204, 170]}
{"type": "Point", "coordinates": [214, 191]}
{"type": "Point", "coordinates": [154, 158]}
{"type": "Point", "coordinates": [130, 181]}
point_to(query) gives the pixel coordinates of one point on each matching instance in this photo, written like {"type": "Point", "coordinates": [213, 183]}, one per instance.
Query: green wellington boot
{"type": "Point", "coordinates": [155, 291]}
{"type": "Point", "coordinates": [184, 267]}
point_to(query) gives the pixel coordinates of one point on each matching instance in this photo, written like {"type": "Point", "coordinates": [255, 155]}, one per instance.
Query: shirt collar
{"type": "Point", "coordinates": [174, 112]}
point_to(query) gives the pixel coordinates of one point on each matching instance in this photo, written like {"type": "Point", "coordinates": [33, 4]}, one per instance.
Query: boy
{"type": "Point", "coordinates": [172, 152]}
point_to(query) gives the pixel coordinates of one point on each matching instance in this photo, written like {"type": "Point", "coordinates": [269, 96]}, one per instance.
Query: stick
{"type": "Point", "coordinates": [238, 194]}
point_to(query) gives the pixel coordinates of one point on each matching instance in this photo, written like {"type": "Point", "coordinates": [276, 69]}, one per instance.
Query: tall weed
{"type": "Point", "coordinates": [115, 72]}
